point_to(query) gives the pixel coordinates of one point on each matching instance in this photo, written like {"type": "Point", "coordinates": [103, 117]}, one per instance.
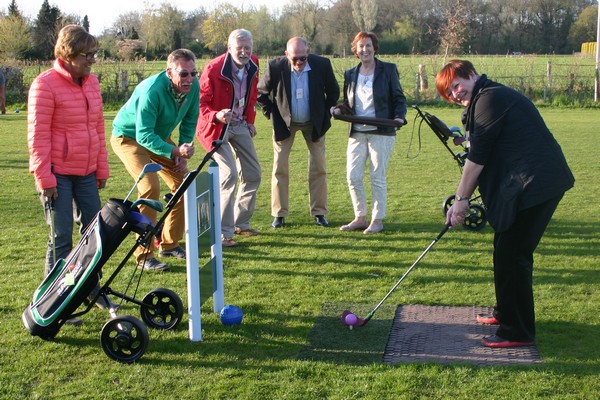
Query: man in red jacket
{"type": "Point", "coordinates": [228, 89]}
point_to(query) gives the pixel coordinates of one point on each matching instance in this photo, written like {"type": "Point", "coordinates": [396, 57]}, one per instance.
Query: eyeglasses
{"type": "Point", "coordinates": [91, 56]}
{"type": "Point", "coordinates": [184, 74]}
{"type": "Point", "coordinates": [296, 59]}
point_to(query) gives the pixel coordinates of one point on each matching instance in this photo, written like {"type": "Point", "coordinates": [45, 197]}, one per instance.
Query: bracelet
{"type": "Point", "coordinates": [458, 197]}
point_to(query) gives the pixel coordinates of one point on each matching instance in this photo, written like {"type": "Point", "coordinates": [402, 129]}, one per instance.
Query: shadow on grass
{"type": "Point", "coordinates": [331, 341]}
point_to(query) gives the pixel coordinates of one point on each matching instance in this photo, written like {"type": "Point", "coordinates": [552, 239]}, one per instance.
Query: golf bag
{"type": "Point", "coordinates": [477, 219]}
{"type": "Point", "coordinates": [72, 279]}
{"type": "Point", "coordinates": [75, 280]}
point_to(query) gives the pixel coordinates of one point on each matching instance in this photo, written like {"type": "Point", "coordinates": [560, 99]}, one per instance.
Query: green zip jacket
{"type": "Point", "coordinates": [151, 114]}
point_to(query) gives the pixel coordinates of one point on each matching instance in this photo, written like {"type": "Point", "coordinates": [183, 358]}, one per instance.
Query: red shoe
{"type": "Point", "coordinates": [498, 342]}
{"type": "Point", "coordinates": [488, 319]}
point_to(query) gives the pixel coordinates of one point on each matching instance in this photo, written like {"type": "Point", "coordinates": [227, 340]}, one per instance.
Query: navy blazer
{"type": "Point", "coordinates": [389, 99]}
{"type": "Point", "coordinates": [275, 95]}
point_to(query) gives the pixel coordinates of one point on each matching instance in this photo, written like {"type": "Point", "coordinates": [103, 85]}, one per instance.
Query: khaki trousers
{"type": "Point", "coordinates": [135, 157]}
{"type": "Point", "coordinates": [317, 173]}
{"type": "Point", "coordinates": [237, 158]}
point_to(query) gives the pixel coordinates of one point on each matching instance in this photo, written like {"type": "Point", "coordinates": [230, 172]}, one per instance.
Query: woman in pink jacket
{"type": "Point", "coordinates": [67, 150]}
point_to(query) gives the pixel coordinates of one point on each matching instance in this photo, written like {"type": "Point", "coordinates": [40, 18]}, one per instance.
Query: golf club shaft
{"type": "Point", "coordinates": [50, 206]}
{"type": "Point", "coordinates": [438, 237]}
{"type": "Point", "coordinates": [147, 168]}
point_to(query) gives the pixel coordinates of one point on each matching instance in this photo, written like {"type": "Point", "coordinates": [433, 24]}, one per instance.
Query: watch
{"type": "Point", "coordinates": [458, 197]}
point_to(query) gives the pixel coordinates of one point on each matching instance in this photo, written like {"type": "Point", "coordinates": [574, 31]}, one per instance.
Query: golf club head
{"type": "Point", "coordinates": [355, 320]}
{"type": "Point", "coordinates": [153, 204]}
{"type": "Point", "coordinates": [343, 316]}
{"type": "Point", "coordinates": [152, 167]}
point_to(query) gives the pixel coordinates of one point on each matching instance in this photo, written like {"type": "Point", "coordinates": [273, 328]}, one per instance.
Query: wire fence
{"type": "Point", "coordinates": [554, 80]}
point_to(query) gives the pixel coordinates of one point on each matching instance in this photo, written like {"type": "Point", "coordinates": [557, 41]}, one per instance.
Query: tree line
{"type": "Point", "coordinates": [448, 27]}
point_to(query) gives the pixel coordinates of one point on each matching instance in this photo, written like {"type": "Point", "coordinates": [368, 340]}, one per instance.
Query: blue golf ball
{"type": "Point", "coordinates": [231, 315]}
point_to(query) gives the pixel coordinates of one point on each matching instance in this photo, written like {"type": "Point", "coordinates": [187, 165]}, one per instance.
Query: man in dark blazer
{"type": "Point", "coordinates": [296, 93]}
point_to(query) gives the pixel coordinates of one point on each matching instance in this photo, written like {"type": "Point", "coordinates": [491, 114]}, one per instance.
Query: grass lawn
{"type": "Point", "coordinates": [293, 284]}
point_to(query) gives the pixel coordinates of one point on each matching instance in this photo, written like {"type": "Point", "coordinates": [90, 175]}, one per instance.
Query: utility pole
{"type": "Point", "coordinates": [597, 81]}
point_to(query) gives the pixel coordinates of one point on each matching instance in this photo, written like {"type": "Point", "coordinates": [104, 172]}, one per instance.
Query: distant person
{"type": "Point", "coordinates": [142, 133]}
{"type": "Point", "coordinates": [371, 89]}
{"type": "Point", "coordinates": [522, 175]}
{"type": "Point", "coordinates": [227, 100]}
{"type": "Point", "coordinates": [295, 93]}
{"type": "Point", "coordinates": [65, 134]}
{"type": "Point", "coordinates": [2, 92]}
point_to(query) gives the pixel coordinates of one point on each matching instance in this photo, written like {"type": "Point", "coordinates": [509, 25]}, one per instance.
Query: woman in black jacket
{"type": "Point", "coordinates": [371, 89]}
{"type": "Point", "coordinates": [522, 175]}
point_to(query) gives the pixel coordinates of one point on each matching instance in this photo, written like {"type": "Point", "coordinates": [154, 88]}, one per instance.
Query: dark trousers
{"type": "Point", "coordinates": [513, 271]}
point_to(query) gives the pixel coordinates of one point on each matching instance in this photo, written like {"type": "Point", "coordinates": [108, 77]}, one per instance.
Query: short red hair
{"type": "Point", "coordinates": [454, 68]}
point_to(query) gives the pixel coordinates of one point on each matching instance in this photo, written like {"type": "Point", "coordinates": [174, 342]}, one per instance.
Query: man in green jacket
{"type": "Point", "coordinates": [142, 134]}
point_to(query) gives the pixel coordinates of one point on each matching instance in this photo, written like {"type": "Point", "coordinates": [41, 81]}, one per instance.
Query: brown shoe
{"type": "Point", "coordinates": [229, 242]}
{"type": "Point", "coordinates": [246, 232]}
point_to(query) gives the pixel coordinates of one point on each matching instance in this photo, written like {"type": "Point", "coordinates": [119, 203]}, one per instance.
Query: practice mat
{"type": "Point", "coordinates": [448, 335]}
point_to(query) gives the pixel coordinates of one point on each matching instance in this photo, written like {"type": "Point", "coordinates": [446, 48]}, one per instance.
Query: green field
{"type": "Point", "coordinates": [548, 79]}
{"type": "Point", "coordinates": [291, 283]}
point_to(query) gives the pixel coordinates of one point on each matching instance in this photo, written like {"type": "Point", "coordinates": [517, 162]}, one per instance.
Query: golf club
{"type": "Point", "coordinates": [50, 207]}
{"type": "Point", "coordinates": [153, 204]}
{"type": "Point", "coordinates": [150, 167]}
{"type": "Point", "coordinates": [351, 320]}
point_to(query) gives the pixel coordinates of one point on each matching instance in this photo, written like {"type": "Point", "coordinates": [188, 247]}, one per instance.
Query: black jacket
{"type": "Point", "coordinates": [523, 163]}
{"type": "Point", "coordinates": [274, 95]}
{"type": "Point", "coordinates": [389, 99]}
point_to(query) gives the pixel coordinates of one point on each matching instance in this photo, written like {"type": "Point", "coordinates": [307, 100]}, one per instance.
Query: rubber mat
{"type": "Point", "coordinates": [448, 335]}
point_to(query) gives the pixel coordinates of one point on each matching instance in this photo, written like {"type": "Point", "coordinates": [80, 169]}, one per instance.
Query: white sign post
{"type": "Point", "coordinates": [203, 228]}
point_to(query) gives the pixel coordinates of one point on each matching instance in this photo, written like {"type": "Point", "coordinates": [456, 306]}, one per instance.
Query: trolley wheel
{"type": "Point", "coordinates": [162, 309]}
{"type": "Point", "coordinates": [476, 219]}
{"type": "Point", "coordinates": [124, 339]}
{"type": "Point", "coordinates": [448, 201]}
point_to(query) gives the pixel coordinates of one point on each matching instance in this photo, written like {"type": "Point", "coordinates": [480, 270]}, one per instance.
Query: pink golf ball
{"type": "Point", "coordinates": [350, 319]}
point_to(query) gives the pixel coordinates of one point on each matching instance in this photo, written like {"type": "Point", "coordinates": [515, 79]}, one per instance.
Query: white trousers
{"type": "Point", "coordinates": [378, 149]}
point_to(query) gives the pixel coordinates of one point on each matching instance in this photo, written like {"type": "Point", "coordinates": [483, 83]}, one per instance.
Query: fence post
{"type": "Point", "coordinates": [549, 75]}
{"type": "Point", "coordinates": [424, 81]}
{"type": "Point", "coordinates": [417, 93]}
{"type": "Point", "coordinates": [124, 84]}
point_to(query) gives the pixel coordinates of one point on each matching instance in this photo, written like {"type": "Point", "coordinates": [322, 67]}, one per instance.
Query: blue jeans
{"type": "Point", "coordinates": [78, 200]}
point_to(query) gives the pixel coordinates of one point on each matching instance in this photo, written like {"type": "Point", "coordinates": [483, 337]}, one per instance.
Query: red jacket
{"type": "Point", "coordinates": [65, 127]}
{"type": "Point", "coordinates": [216, 93]}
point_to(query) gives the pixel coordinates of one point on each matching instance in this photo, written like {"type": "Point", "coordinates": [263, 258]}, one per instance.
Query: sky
{"type": "Point", "coordinates": [103, 13]}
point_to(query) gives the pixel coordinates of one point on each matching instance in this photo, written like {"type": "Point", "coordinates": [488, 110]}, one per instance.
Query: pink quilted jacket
{"type": "Point", "coordinates": [65, 127]}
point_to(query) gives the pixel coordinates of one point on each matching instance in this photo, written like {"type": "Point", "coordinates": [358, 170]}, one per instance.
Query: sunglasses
{"type": "Point", "coordinates": [296, 59]}
{"type": "Point", "coordinates": [184, 74]}
{"type": "Point", "coordinates": [90, 56]}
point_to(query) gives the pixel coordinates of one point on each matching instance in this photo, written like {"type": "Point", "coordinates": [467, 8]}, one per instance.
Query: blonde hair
{"type": "Point", "coordinates": [73, 40]}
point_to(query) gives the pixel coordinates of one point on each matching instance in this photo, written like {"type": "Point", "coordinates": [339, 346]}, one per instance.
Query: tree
{"type": "Point", "coordinates": [86, 23]}
{"type": "Point", "coordinates": [13, 10]}
{"type": "Point", "coordinates": [453, 32]}
{"type": "Point", "coordinates": [339, 28]}
{"type": "Point", "coordinates": [14, 37]}
{"type": "Point", "coordinates": [365, 14]}
{"type": "Point", "coordinates": [217, 27]}
{"type": "Point", "coordinates": [127, 25]}
{"type": "Point", "coordinates": [45, 31]}
{"type": "Point", "coordinates": [585, 27]}
{"type": "Point", "coordinates": [162, 30]}
{"type": "Point", "coordinates": [306, 16]}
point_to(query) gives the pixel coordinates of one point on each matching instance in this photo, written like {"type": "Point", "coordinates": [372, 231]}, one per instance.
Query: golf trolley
{"type": "Point", "coordinates": [476, 219]}
{"type": "Point", "coordinates": [72, 287]}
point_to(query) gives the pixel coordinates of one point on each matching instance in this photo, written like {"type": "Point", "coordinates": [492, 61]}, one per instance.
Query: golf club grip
{"type": "Point", "coordinates": [443, 231]}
